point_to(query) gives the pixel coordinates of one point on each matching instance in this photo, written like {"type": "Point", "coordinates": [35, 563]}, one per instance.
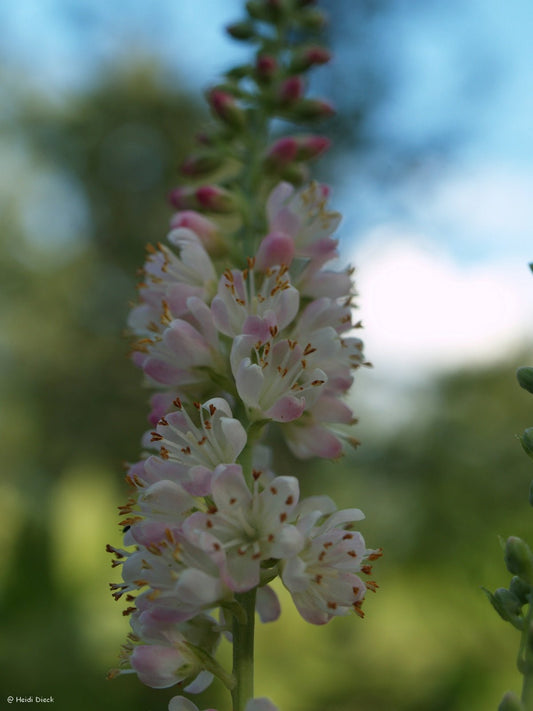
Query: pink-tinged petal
{"type": "Point", "coordinates": [321, 504]}
{"type": "Point", "coordinates": [258, 327]}
{"type": "Point", "coordinates": [160, 403]}
{"type": "Point", "coordinates": [177, 296]}
{"type": "Point", "coordinates": [331, 409]}
{"type": "Point", "coordinates": [234, 434]}
{"type": "Point", "coordinates": [180, 703]}
{"type": "Point", "coordinates": [288, 306]}
{"type": "Point", "coordinates": [230, 490]}
{"type": "Point", "coordinates": [202, 681]}
{"type": "Point", "coordinates": [341, 517]}
{"type": "Point", "coordinates": [188, 345]}
{"type": "Point", "coordinates": [241, 572]}
{"type": "Point", "coordinates": [221, 316]}
{"type": "Point", "coordinates": [242, 348]}
{"type": "Point", "coordinates": [262, 704]}
{"type": "Point", "coordinates": [267, 604]}
{"type": "Point", "coordinates": [288, 542]}
{"type": "Point", "coordinates": [294, 575]}
{"type": "Point", "coordinates": [162, 372]}
{"type": "Point", "coordinates": [315, 441]}
{"type": "Point", "coordinates": [157, 666]}
{"type": "Point", "coordinates": [197, 589]}
{"type": "Point", "coordinates": [198, 482]}
{"type": "Point", "coordinates": [275, 249]}
{"type": "Point", "coordinates": [328, 283]}
{"type": "Point", "coordinates": [278, 198]}
{"type": "Point", "coordinates": [249, 380]}
{"type": "Point", "coordinates": [286, 409]}
{"type": "Point", "coordinates": [202, 313]}
{"type": "Point", "coordinates": [165, 497]}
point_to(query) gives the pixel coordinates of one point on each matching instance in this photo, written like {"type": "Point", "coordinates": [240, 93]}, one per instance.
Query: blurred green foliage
{"type": "Point", "coordinates": [84, 191]}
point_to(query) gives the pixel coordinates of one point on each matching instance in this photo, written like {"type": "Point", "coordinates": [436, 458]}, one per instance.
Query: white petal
{"type": "Point", "coordinates": [249, 379]}
{"type": "Point", "coordinates": [234, 434]}
{"type": "Point", "coordinates": [267, 605]}
{"type": "Point", "coordinates": [180, 703]}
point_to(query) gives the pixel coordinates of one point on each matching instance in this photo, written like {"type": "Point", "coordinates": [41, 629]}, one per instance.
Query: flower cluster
{"type": "Point", "coordinates": [242, 327]}
{"type": "Point", "coordinates": [206, 522]}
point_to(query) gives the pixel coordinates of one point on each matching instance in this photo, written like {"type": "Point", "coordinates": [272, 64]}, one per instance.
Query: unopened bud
{"type": "Point", "coordinates": [295, 148]}
{"type": "Point", "coordinates": [201, 164]}
{"type": "Point", "coordinates": [291, 90]}
{"type": "Point", "coordinates": [311, 110]}
{"type": "Point", "coordinates": [526, 440]}
{"type": "Point", "coordinates": [241, 30]}
{"type": "Point", "coordinates": [182, 198]}
{"type": "Point", "coordinates": [202, 226]}
{"type": "Point", "coordinates": [312, 19]}
{"type": "Point", "coordinates": [282, 152]}
{"type": "Point", "coordinates": [211, 198]}
{"type": "Point", "coordinates": [524, 376]}
{"type": "Point", "coordinates": [267, 10]}
{"type": "Point", "coordinates": [226, 108]}
{"type": "Point", "coordinates": [266, 67]}
{"type": "Point", "coordinates": [215, 199]}
{"type": "Point", "coordinates": [309, 57]}
{"type": "Point", "coordinates": [518, 559]}
{"type": "Point", "coordinates": [521, 590]}
{"type": "Point", "coordinates": [275, 249]}
{"type": "Point", "coordinates": [510, 702]}
{"type": "Point", "coordinates": [508, 606]}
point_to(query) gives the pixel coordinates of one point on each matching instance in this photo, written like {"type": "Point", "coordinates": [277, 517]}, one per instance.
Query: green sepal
{"type": "Point", "coordinates": [521, 590]}
{"type": "Point", "coordinates": [507, 605]}
{"type": "Point", "coordinates": [211, 665]}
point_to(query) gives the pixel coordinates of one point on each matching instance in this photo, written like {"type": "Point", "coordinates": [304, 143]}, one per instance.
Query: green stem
{"type": "Point", "coordinates": [243, 651]}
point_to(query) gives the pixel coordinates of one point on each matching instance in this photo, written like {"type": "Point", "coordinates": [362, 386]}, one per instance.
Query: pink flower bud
{"type": "Point", "coordinates": [311, 110]}
{"type": "Point", "coordinates": [266, 67]}
{"type": "Point", "coordinates": [214, 199]}
{"type": "Point", "coordinates": [200, 164]}
{"type": "Point", "coordinates": [283, 152]}
{"type": "Point", "coordinates": [203, 227]}
{"type": "Point", "coordinates": [225, 107]}
{"type": "Point", "coordinates": [182, 198]}
{"type": "Point", "coordinates": [312, 146]}
{"type": "Point", "coordinates": [307, 57]}
{"type": "Point", "coordinates": [291, 90]}
{"type": "Point", "coordinates": [275, 249]}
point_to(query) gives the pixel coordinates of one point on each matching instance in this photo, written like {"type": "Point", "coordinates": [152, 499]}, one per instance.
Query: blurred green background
{"type": "Point", "coordinates": [83, 187]}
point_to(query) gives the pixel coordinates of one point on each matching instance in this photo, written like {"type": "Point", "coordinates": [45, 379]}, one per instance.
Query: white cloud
{"type": "Point", "coordinates": [423, 312]}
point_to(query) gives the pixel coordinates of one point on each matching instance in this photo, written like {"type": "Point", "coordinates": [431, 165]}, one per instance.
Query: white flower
{"type": "Point", "coordinates": [323, 578]}
{"type": "Point", "coordinates": [276, 380]}
{"type": "Point", "coordinates": [242, 306]}
{"type": "Point", "coordinates": [170, 280]}
{"type": "Point", "coordinates": [196, 449]}
{"type": "Point", "coordinates": [249, 527]}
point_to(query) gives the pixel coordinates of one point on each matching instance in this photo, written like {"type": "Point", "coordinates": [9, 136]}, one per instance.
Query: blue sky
{"type": "Point", "coordinates": [461, 229]}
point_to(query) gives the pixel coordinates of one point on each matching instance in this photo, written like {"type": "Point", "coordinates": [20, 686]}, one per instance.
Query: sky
{"type": "Point", "coordinates": [442, 258]}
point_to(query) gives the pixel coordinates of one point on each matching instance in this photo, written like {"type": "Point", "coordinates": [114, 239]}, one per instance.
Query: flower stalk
{"type": "Point", "coordinates": [243, 331]}
{"type": "Point", "coordinates": [243, 651]}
